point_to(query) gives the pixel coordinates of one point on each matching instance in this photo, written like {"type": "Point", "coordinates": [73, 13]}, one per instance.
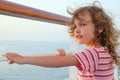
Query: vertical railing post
{"type": "Point", "coordinates": [72, 70]}
{"type": "Point", "coordinates": [116, 73]}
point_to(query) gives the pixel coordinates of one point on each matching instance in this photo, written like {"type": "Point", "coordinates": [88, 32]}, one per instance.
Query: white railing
{"type": "Point", "coordinates": [72, 70]}
{"type": "Point", "coordinates": [116, 73]}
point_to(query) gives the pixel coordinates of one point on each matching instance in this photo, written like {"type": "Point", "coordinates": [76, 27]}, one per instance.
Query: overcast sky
{"type": "Point", "coordinates": [12, 28]}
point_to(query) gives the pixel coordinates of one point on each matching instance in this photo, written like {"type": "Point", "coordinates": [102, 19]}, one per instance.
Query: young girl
{"type": "Point", "coordinates": [91, 26]}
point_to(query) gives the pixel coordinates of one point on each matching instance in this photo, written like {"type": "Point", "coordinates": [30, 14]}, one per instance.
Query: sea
{"type": "Point", "coordinates": [32, 72]}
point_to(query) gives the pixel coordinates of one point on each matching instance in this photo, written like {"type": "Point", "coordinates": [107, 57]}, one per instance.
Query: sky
{"type": "Point", "coordinates": [12, 28]}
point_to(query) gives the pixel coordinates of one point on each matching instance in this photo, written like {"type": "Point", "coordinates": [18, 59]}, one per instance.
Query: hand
{"type": "Point", "coordinates": [14, 58]}
{"type": "Point", "coordinates": [61, 52]}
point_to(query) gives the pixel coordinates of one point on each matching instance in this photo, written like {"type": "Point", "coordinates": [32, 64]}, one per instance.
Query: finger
{"type": "Point", "coordinates": [10, 62]}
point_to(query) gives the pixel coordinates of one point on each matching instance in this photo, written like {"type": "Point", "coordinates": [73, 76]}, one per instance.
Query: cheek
{"type": "Point", "coordinates": [89, 35]}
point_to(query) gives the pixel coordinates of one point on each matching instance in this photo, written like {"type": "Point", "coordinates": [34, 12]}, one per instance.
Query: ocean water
{"type": "Point", "coordinates": [31, 72]}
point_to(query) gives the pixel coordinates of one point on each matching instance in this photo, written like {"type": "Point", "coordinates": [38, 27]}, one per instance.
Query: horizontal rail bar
{"type": "Point", "coordinates": [17, 10]}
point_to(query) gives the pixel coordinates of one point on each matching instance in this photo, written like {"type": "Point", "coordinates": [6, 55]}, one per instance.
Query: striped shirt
{"type": "Point", "coordinates": [95, 64]}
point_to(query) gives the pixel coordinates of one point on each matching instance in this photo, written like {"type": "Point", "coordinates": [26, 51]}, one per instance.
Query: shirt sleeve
{"type": "Point", "coordinates": [88, 60]}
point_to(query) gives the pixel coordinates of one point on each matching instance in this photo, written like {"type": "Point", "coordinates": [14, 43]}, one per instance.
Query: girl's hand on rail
{"type": "Point", "coordinates": [61, 52]}
{"type": "Point", "coordinates": [13, 58]}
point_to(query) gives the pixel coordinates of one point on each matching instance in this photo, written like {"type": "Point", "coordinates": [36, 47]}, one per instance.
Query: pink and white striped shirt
{"type": "Point", "coordinates": [95, 64]}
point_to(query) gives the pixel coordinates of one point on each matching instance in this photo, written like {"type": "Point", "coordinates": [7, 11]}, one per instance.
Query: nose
{"type": "Point", "coordinates": [77, 30]}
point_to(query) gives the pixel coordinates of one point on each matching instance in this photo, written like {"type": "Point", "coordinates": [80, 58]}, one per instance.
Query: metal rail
{"type": "Point", "coordinates": [17, 10]}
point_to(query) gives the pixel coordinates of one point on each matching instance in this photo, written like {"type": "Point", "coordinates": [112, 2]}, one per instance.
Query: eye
{"type": "Point", "coordinates": [83, 24]}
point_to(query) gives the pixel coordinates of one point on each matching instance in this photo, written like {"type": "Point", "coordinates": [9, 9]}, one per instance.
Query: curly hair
{"type": "Point", "coordinates": [108, 38]}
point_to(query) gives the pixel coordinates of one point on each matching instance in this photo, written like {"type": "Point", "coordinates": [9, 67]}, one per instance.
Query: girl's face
{"type": "Point", "coordinates": [84, 30]}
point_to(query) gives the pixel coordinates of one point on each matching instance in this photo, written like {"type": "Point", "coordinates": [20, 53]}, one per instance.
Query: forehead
{"type": "Point", "coordinates": [83, 17]}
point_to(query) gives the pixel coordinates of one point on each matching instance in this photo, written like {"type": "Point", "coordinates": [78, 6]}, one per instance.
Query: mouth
{"type": "Point", "coordinates": [78, 36]}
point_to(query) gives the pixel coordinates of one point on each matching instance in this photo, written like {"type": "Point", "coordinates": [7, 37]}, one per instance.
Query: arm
{"type": "Point", "coordinates": [45, 61]}
{"type": "Point", "coordinates": [50, 61]}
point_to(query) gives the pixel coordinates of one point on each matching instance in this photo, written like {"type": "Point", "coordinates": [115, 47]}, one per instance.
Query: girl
{"type": "Point", "coordinates": [91, 26]}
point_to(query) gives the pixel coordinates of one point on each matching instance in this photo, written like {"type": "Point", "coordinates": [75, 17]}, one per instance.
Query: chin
{"type": "Point", "coordinates": [79, 42]}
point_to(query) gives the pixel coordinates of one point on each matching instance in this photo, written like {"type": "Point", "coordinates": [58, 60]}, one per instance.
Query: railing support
{"type": "Point", "coordinates": [72, 70]}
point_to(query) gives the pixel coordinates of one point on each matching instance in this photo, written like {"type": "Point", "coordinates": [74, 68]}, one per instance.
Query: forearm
{"type": "Point", "coordinates": [45, 61]}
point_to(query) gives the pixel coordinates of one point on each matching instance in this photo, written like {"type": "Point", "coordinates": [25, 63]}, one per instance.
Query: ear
{"type": "Point", "coordinates": [100, 30]}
